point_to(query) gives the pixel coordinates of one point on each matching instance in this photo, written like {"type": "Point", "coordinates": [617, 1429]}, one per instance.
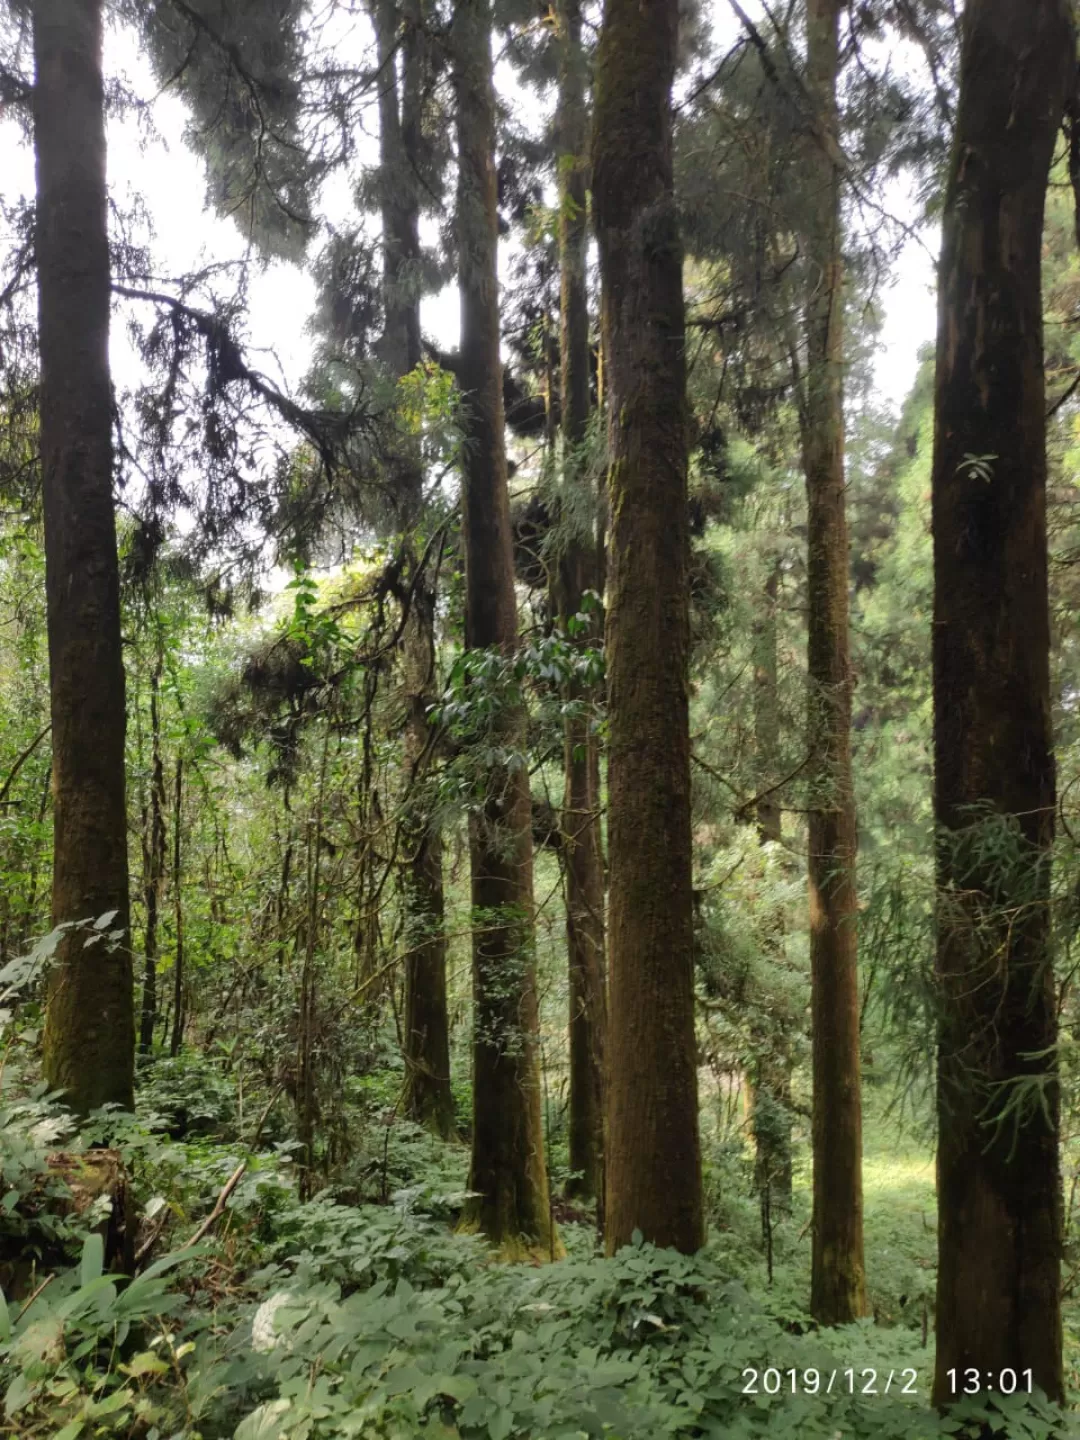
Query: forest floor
{"type": "Point", "coordinates": [360, 1313]}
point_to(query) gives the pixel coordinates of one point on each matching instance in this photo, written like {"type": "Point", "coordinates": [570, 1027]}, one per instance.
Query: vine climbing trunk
{"type": "Point", "coordinates": [578, 572]}
{"type": "Point", "coordinates": [89, 1043]}
{"type": "Point", "coordinates": [653, 1155]}
{"type": "Point", "coordinates": [426, 1031]}
{"type": "Point", "coordinates": [837, 1281]}
{"type": "Point", "coordinates": [999, 1204]}
{"type": "Point", "coordinates": [508, 1169]}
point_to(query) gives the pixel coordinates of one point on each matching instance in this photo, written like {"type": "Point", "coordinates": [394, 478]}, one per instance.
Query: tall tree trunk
{"type": "Point", "coordinates": [426, 1031]}
{"type": "Point", "coordinates": [509, 1169]}
{"type": "Point", "coordinates": [153, 857]}
{"type": "Point", "coordinates": [90, 1026]}
{"type": "Point", "coordinates": [999, 1206]}
{"type": "Point", "coordinates": [399, 181]}
{"type": "Point", "coordinates": [838, 1283]}
{"type": "Point", "coordinates": [771, 1115]}
{"type": "Point", "coordinates": [429, 1098]}
{"type": "Point", "coordinates": [653, 1154]}
{"type": "Point", "coordinates": [577, 572]}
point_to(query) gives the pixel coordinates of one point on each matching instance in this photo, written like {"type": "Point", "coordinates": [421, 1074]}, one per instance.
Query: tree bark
{"type": "Point", "coordinates": [399, 136]}
{"type": "Point", "coordinates": [653, 1154]}
{"type": "Point", "coordinates": [153, 857]}
{"type": "Point", "coordinates": [999, 1205]}
{"type": "Point", "coordinates": [837, 1283]}
{"type": "Point", "coordinates": [89, 1044]}
{"type": "Point", "coordinates": [508, 1168]}
{"type": "Point", "coordinates": [429, 1099]}
{"type": "Point", "coordinates": [577, 572]}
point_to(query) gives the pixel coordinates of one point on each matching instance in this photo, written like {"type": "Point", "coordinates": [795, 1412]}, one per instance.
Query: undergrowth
{"type": "Point", "coordinates": [361, 1313]}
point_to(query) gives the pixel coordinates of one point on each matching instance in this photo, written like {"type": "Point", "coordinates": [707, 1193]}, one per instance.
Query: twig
{"type": "Point", "coordinates": [772, 789]}
{"type": "Point", "coordinates": [366, 985]}
{"type": "Point", "coordinates": [151, 1240]}
{"type": "Point", "coordinates": [222, 1200]}
{"type": "Point", "coordinates": [742, 810]}
{"type": "Point", "coordinates": [1062, 399]}
{"type": "Point", "coordinates": [719, 884]}
{"type": "Point", "coordinates": [46, 1282]}
{"type": "Point", "coordinates": [257, 1135]}
{"type": "Point", "coordinates": [219, 1207]}
{"type": "Point", "coordinates": [21, 761]}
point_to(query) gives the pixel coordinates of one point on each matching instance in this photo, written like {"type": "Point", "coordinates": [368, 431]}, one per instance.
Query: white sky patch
{"type": "Point", "coordinates": [909, 306]}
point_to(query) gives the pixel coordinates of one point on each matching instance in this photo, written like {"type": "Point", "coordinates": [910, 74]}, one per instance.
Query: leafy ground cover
{"type": "Point", "coordinates": [340, 1316]}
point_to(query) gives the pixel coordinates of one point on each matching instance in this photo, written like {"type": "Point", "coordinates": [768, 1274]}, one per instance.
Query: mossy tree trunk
{"type": "Point", "coordinates": [428, 1098]}
{"type": "Point", "coordinates": [89, 1044]}
{"type": "Point", "coordinates": [577, 572]}
{"type": "Point", "coordinates": [999, 1204]}
{"type": "Point", "coordinates": [508, 1168]}
{"type": "Point", "coordinates": [653, 1156]}
{"type": "Point", "coordinates": [837, 1284]}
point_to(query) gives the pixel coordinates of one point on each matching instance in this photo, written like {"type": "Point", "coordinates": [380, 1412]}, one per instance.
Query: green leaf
{"type": "Point", "coordinates": [265, 1423]}
{"type": "Point", "coordinates": [19, 1394]}
{"type": "Point", "coordinates": [458, 1387]}
{"type": "Point", "coordinates": [118, 1400]}
{"type": "Point", "coordinates": [145, 1363]}
{"type": "Point", "coordinates": [500, 1424]}
{"type": "Point", "coordinates": [169, 1262]}
{"type": "Point", "coordinates": [93, 1259]}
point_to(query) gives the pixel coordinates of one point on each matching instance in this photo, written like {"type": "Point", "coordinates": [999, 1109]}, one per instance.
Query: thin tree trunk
{"type": "Point", "coordinates": [837, 1283]}
{"type": "Point", "coordinates": [426, 1033]}
{"type": "Point", "coordinates": [153, 860]}
{"type": "Point", "coordinates": [306, 1094]}
{"type": "Point", "coordinates": [578, 572]}
{"type": "Point", "coordinates": [767, 709]}
{"type": "Point", "coordinates": [653, 1154]}
{"type": "Point", "coordinates": [429, 1098]}
{"type": "Point", "coordinates": [508, 1169]}
{"type": "Point", "coordinates": [89, 1045]}
{"type": "Point", "coordinates": [38, 859]}
{"type": "Point", "coordinates": [178, 1017]}
{"type": "Point", "coordinates": [281, 905]}
{"type": "Point", "coordinates": [771, 1114]}
{"type": "Point", "coordinates": [999, 1204]}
